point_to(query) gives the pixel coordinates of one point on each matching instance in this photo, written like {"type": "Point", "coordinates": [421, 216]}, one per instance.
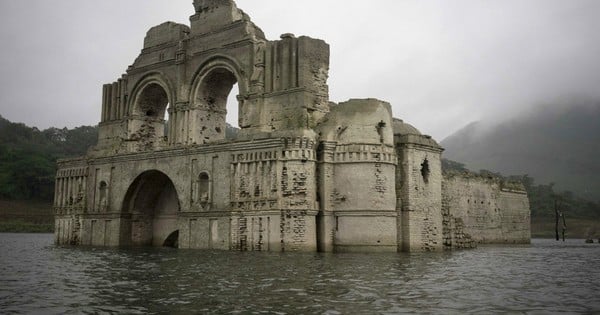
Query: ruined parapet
{"type": "Point", "coordinates": [165, 33]}
{"type": "Point", "coordinates": [189, 73]}
{"type": "Point", "coordinates": [356, 166]}
{"type": "Point", "coordinates": [213, 15]}
{"type": "Point", "coordinates": [418, 186]}
{"type": "Point", "coordinates": [493, 209]}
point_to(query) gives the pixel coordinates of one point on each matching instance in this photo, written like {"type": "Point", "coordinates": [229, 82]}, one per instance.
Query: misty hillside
{"type": "Point", "coordinates": [560, 145]}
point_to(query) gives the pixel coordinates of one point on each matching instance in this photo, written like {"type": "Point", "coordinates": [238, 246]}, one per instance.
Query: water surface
{"type": "Point", "coordinates": [545, 277]}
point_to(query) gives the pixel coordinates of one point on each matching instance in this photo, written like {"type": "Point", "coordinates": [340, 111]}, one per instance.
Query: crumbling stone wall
{"type": "Point", "coordinates": [298, 195]}
{"type": "Point", "coordinates": [491, 212]}
{"type": "Point", "coordinates": [453, 230]}
{"type": "Point", "coordinates": [273, 194]}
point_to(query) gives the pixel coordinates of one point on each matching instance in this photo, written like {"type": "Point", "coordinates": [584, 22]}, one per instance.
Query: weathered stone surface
{"type": "Point", "coordinates": [492, 211]}
{"type": "Point", "coordinates": [303, 174]}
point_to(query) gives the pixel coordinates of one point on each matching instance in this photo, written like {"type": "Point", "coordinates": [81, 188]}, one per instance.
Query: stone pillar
{"type": "Point", "coordinates": [298, 189]}
{"type": "Point", "coordinates": [108, 102]}
{"type": "Point", "coordinates": [325, 219]}
{"type": "Point", "coordinates": [104, 103]}
{"type": "Point", "coordinates": [421, 193]}
{"type": "Point", "coordinates": [114, 102]}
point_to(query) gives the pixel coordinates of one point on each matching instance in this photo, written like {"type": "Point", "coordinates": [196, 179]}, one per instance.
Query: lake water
{"type": "Point", "coordinates": [544, 277]}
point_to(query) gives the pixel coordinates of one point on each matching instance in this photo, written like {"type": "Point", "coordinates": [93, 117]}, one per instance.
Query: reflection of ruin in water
{"type": "Point", "coordinates": [303, 173]}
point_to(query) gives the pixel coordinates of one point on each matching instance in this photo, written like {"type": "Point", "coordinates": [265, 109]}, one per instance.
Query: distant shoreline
{"type": "Point", "coordinates": [18, 226]}
{"type": "Point", "coordinates": [26, 216]}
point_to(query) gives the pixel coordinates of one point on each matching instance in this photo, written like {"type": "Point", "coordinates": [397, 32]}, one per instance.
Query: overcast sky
{"type": "Point", "coordinates": [441, 64]}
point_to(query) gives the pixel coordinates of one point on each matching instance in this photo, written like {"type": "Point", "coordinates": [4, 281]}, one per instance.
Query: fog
{"type": "Point", "coordinates": [441, 64]}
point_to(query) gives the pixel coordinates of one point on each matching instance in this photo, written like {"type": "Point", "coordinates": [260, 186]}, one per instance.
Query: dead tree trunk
{"type": "Point", "coordinates": [559, 214]}
{"type": "Point", "coordinates": [556, 214]}
{"type": "Point", "coordinates": [564, 228]}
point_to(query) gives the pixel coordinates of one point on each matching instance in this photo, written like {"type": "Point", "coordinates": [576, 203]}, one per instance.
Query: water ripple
{"type": "Point", "coordinates": [546, 277]}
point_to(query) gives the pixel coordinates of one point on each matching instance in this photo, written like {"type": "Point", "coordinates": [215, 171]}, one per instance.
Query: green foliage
{"type": "Point", "coordinates": [25, 175]}
{"type": "Point", "coordinates": [28, 157]}
{"type": "Point", "coordinates": [231, 132]}
{"type": "Point", "coordinates": [543, 199]}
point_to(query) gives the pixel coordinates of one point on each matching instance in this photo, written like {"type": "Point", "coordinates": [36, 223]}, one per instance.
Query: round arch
{"type": "Point", "coordinates": [218, 61]}
{"type": "Point", "coordinates": [211, 86]}
{"type": "Point", "coordinates": [152, 80]}
{"type": "Point", "coordinates": [152, 204]}
{"type": "Point", "coordinates": [152, 96]}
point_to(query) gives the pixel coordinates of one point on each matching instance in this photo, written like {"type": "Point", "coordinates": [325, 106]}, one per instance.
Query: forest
{"type": "Point", "coordinates": [28, 157]}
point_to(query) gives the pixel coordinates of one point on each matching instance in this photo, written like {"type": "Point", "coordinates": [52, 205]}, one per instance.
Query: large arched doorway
{"type": "Point", "coordinates": [153, 205]}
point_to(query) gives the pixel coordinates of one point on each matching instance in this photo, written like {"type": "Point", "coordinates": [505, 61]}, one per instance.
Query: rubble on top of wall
{"type": "Point", "coordinates": [486, 176]}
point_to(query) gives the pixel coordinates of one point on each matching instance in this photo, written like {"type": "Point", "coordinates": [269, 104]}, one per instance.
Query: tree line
{"type": "Point", "coordinates": [28, 157]}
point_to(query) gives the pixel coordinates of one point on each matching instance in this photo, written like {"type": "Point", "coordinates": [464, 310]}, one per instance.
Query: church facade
{"type": "Point", "coordinates": [301, 174]}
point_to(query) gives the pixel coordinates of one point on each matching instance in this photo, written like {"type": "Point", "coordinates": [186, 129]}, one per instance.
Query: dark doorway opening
{"type": "Point", "coordinates": [172, 240]}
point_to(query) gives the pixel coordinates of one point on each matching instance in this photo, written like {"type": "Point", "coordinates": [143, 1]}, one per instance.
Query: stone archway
{"type": "Point", "coordinates": [153, 205]}
{"type": "Point", "coordinates": [151, 102]}
{"type": "Point", "coordinates": [210, 100]}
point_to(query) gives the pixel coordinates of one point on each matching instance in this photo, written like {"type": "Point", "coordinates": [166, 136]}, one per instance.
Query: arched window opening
{"type": "Point", "coordinates": [102, 191]}
{"type": "Point", "coordinates": [203, 187]}
{"type": "Point", "coordinates": [215, 90]}
{"type": "Point", "coordinates": [152, 104]}
{"type": "Point", "coordinates": [217, 96]}
{"type": "Point", "coordinates": [153, 101]}
{"type": "Point", "coordinates": [425, 171]}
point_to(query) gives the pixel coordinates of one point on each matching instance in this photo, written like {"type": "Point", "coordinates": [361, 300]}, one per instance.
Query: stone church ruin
{"type": "Point", "coordinates": [303, 173]}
